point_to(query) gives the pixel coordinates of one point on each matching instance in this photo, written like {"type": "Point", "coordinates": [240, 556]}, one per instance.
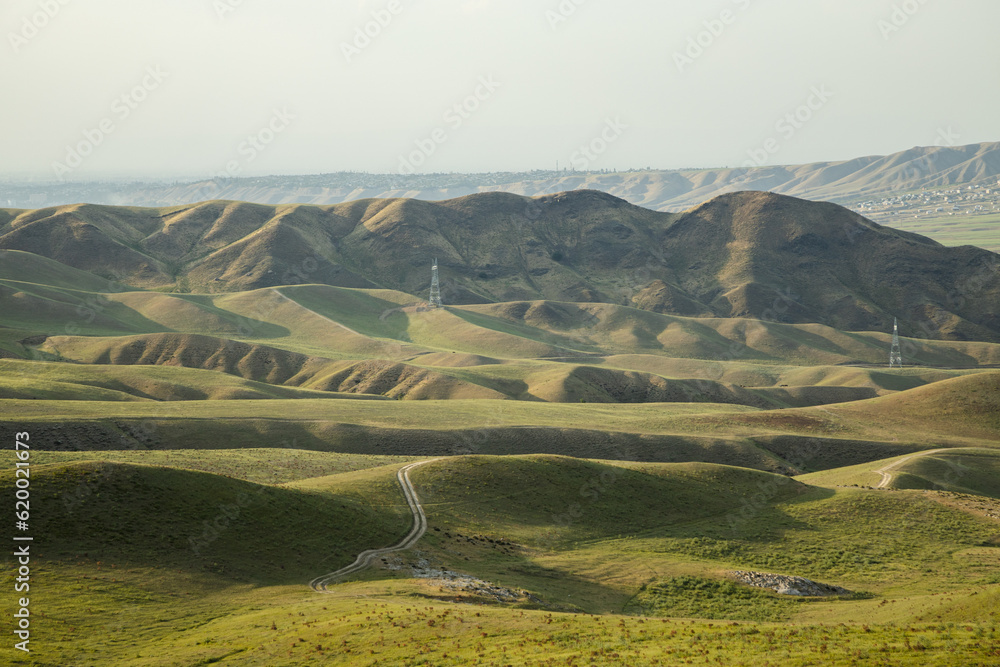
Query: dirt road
{"type": "Point", "coordinates": [887, 476]}
{"type": "Point", "coordinates": [319, 584]}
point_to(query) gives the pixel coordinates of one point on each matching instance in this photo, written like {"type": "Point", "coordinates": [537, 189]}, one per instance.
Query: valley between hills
{"type": "Point", "coordinates": [613, 412]}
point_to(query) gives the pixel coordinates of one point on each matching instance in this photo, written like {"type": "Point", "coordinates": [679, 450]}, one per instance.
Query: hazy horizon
{"type": "Point", "coordinates": [200, 88]}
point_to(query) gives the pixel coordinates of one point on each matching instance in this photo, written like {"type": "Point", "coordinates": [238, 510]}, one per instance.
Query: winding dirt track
{"type": "Point", "coordinates": [887, 476]}
{"type": "Point", "coordinates": [319, 584]}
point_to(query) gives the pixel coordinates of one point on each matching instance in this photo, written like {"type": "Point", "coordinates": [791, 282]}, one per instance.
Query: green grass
{"type": "Point", "coordinates": [558, 501]}
{"type": "Point", "coordinates": [299, 319]}
{"type": "Point", "coordinates": [25, 267]}
{"type": "Point", "coordinates": [842, 434]}
{"type": "Point", "coordinates": [978, 230]}
{"type": "Point", "coordinates": [65, 311]}
{"type": "Point", "coordinates": [822, 535]}
{"type": "Point", "coordinates": [697, 597]}
{"type": "Point", "coordinates": [365, 625]}
{"type": "Point", "coordinates": [865, 537]}
{"type": "Point", "coordinates": [260, 466]}
{"type": "Point", "coordinates": [596, 535]}
{"type": "Point", "coordinates": [160, 517]}
{"type": "Point", "coordinates": [969, 471]}
{"type": "Point", "coordinates": [430, 415]}
{"type": "Point", "coordinates": [964, 471]}
{"type": "Point", "coordinates": [374, 313]}
{"type": "Point", "coordinates": [644, 538]}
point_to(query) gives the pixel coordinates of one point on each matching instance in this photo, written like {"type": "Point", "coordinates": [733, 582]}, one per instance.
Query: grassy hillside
{"type": "Point", "coordinates": [940, 413]}
{"type": "Point", "coordinates": [260, 466]}
{"type": "Point", "coordinates": [968, 471]}
{"type": "Point", "coordinates": [577, 536]}
{"type": "Point", "coordinates": [358, 341]}
{"type": "Point", "coordinates": [20, 267]}
{"type": "Point", "coordinates": [279, 627]}
{"type": "Point", "coordinates": [523, 498]}
{"type": "Point", "coordinates": [959, 412]}
{"type": "Point", "coordinates": [139, 516]}
{"type": "Point", "coordinates": [264, 364]}
{"type": "Point", "coordinates": [972, 401]}
{"type": "Point", "coordinates": [385, 343]}
{"type": "Point", "coordinates": [604, 329]}
{"type": "Point", "coordinates": [63, 381]}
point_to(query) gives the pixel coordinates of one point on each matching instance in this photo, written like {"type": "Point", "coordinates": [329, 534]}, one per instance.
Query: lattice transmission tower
{"type": "Point", "coordinates": [435, 286]}
{"type": "Point", "coordinates": [895, 356]}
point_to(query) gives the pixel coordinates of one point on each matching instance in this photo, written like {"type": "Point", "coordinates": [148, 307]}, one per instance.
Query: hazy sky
{"type": "Point", "coordinates": [177, 88]}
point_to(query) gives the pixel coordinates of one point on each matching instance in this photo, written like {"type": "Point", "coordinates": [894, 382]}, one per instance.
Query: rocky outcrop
{"type": "Point", "coordinates": [786, 585]}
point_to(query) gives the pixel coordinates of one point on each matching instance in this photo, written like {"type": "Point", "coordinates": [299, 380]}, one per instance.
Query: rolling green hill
{"type": "Point", "coordinates": [708, 389]}
{"type": "Point", "coordinates": [968, 471]}
{"type": "Point", "coordinates": [381, 342]}
{"type": "Point", "coordinates": [582, 548]}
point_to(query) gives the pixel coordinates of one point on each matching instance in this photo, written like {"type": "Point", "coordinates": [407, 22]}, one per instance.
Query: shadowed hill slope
{"type": "Point", "coordinates": [520, 497]}
{"type": "Point", "coordinates": [199, 522]}
{"type": "Point", "coordinates": [784, 259]}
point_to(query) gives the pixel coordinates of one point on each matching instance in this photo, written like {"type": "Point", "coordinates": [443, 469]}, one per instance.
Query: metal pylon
{"type": "Point", "coordinates": [895, 355]}
{"type": "Point", "coordinates": [435, 286]}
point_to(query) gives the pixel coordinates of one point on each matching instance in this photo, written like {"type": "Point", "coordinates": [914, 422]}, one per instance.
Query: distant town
{"type": "Point", "coordinates": [967, 200]}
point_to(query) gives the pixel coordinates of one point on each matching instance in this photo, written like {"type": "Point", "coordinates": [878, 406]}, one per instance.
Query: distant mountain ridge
{"type": "Point", "coordinates": [675, 190]}
{"type": "Point", "coordinates": [741, 255]}
{"type": "Point", "coordinates": [670, 190]}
